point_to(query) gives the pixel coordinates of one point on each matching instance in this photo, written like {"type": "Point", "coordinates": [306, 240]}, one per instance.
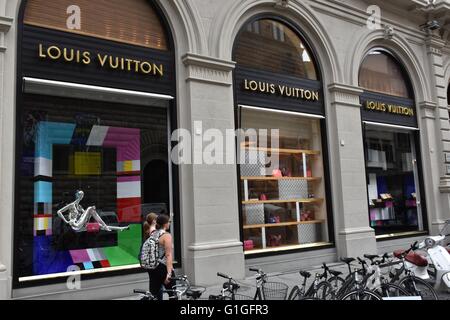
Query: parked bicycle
{"type": "Point", "coordinates": [181, 291]}
{"type": "Point", "coordinates": [315, 291]}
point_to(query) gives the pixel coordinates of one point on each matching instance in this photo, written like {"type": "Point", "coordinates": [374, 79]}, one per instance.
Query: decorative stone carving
{"type": "Point", "coordinates": [282, 3]}
{"type": "Point", "coordinates": [388, 32]}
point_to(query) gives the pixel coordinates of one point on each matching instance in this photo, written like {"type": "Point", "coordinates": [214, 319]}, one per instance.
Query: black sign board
{"type": "Point", "coordinates": [61, 56]}
{"type": "Point", "coordinates": [377, 107]}
{"type": "Point", "coordinates": [277, 91]}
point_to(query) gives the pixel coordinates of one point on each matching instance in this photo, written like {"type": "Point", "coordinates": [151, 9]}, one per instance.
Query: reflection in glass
{"type": "Point", "coordinates": [271, 46]}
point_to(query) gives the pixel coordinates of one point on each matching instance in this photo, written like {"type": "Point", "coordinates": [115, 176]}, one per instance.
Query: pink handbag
{"type": "Point", "coordinates": [93, 227]}
{"type": "Point", "coordinates": [248, 245]}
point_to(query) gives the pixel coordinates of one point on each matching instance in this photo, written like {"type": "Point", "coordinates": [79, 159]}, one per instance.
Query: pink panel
{"type": "Point", "coordinates": [127, 141]}
{"type": "Point", "coordinates": [80, 256]}
{"type": "Point", "coordinates": [129, 179]}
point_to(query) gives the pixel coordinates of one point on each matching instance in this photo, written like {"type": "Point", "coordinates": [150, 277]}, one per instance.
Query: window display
{"type": "Point", "coordinates": [392, 180]}
{"type": "Point", "coordinates": [98, 154]}
{"type": "Point", "coordinates": [391, 146]}
{"type": "Point", "coordinates": [287, 209]}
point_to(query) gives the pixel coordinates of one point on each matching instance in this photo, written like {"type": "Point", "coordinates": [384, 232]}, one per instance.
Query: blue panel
{"type": "Point", "coordinates": [382, 185]}
{"type": "Point", "coordinates": [410, 185]}
{"type": "Point", "coordinates": [43, 192]}
{"type": "Point", "coordinates": [50, 133]}
{"type": "Point", "coordinates": [88, 265]}
{"type": "Point", "coordinates": [48, 261]}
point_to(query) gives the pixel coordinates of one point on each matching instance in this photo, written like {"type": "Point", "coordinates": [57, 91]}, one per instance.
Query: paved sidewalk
{"type": "Point", "coordinates": [291, 279]}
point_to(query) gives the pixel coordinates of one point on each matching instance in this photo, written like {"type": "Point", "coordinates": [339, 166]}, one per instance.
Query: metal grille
{"type": "Point", "coordinates": [309, 233]}
{"type": "Point", "coordinates": [293, 189]}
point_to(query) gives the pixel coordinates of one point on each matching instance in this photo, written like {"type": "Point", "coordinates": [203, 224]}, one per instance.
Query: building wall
{"type": "Point", "coordinates": [204, 33]}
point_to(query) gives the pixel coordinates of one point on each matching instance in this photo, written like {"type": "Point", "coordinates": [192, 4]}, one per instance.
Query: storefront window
{"type": "Point", "coordinates": [271, 46]}
{"type": "Point", "coordinates": [283, 202]}
{"type": "Point", "coordinates": [381, 73]}
{"type": "Point", "coordinates": [287, 209]}
{"type": "Point", "coordinates": [392, 151]}
{"type": "Point", "coordinates": [137, 25]}
{"type": "Point", "coordinates": [392, 181]}
{"type": "Point", "coordinates": [116, 154]}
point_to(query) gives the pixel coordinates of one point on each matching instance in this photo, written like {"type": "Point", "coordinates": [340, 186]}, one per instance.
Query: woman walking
{"type": "Point", "coordinates": [163, 273]}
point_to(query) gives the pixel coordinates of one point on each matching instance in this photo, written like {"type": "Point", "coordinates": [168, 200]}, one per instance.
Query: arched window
{"type": "Point", "coordinates": [137, 25]}
{"type": "Point", "coordinates": [280, 108]}
{"type": "Point", "coordinates": [381, 72]}
{"type": "Point", "coordinates": [272, 46]}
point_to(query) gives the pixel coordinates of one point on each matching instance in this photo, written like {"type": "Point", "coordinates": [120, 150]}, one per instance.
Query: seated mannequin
{"type": "Point", "coordinates": [78, 218]}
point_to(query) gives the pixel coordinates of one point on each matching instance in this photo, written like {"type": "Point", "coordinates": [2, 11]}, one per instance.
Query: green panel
{"type": "Point", "coordinates": [129, 245]}
{"type": "Point", "coordinates": [119, 257]}
{"type": "Point", "coordinates": [131, 240]}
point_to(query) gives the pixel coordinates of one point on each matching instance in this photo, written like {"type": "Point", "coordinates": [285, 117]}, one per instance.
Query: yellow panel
{"type": "Point", "coordinates": [88, 163]}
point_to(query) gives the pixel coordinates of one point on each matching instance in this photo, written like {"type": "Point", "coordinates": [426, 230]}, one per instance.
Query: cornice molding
{"type": "Point", "coordinates": [208, 69]}
{"type": "Point", "coordinates": [5, 23]}
{"type": "Point", "coordinates": [343, 94]}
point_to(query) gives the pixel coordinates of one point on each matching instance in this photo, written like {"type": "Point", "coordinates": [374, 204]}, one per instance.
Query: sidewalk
{"type": "Point", "coordinates": [291, 279]}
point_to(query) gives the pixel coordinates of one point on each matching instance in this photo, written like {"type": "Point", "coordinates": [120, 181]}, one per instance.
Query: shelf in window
{"type": "Point", "coordinates": [312, 200]}
{"type": "Point", "coordinates": [284, 151]}
{"type": "Point", "coordinates": [280, 178]}
{"type": "Point", "coordinates": [282, 224]}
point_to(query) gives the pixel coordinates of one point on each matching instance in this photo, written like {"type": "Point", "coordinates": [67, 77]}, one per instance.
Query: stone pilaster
{"type": "Point", "coordinates": [441, 132]}
{"type": "Point", "coordinates": [5, 215]}
{"type": "Point", "coordinates": [211, 224]}
{"type": "Point", "coordinates": [354, 236]}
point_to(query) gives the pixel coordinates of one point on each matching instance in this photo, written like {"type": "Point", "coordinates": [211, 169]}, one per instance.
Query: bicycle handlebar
{"type": "Point", "coordinates": [140, 291]}
{"type": "Point", "coordinates": [223, 275]}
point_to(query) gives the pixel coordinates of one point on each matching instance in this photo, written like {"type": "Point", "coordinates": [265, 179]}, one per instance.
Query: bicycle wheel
{"type": "Point", "coordinates": [325, 291]}
{"type": "Point", "coordinates": [390, 290]}
{"type": "Point", "coordinates": [418, 287]}
{"type": "Point", "coordinates": [336, 283]}
{"type": "Point", "coordinates": [364, 295]}
{"type": "Point", "coordinates": [294, 294]}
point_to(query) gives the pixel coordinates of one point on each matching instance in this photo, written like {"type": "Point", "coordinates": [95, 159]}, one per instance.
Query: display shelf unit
{"type": "Point", "coordinates": [283, 151]}
{"type": "Point", "coordinates": [282, 224]}
{"type": "Point", "coordinates": [282, 201]}
{"type": "Point", "coordinates": [311, 179]}
{"type": "Point", "coordinates": [294, 192]}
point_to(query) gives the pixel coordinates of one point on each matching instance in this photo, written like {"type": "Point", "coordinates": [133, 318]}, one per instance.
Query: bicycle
{"type": "Point", "coordinates": [182, 291]}
{"type": "Point", "coordinates": [335, 281]}
{"type": "Point", "coordinates": [385, 289]}
{"type": "Point", "coordinates": [360, 292]}
{"type": "Point", "coordinates": [229, 289]}
{"type": "Point", "coordinates": [266, 290]}
{"type": "Point", "coordinates": [313, 292]}
{"type": "Point", "coordinates": [414, 285]}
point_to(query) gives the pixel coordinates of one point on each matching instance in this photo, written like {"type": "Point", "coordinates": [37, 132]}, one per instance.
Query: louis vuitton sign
{"type": "Point", "coordinates": [281, 90]}
{"type": "Point", "coordinates": [102, 60]}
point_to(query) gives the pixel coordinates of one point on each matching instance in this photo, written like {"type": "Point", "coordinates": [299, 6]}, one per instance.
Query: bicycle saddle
{"type": "Point", "coordinates": [412, 257]}
{"type": "Point", "coordinates": [371, 257]}
{"type": "Point", "coordinates": [305, 274]}
{"type": "Point", "coordinates": [195, 293]}
{"type": "Point", "coordinates": [335, 273]}
{"type": "Point", "coordinates": [347, 260]}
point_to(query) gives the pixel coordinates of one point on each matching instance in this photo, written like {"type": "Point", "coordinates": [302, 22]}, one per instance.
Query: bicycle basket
{"type": "Point", "coordinates": [275, 291]}
{"type": "Point", "coordinates": [242, 297]}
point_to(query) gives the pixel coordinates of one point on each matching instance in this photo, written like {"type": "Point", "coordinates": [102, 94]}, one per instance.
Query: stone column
{"type": "Point", "coordinates": [6, 159]}
{"type": "Point", "coordinates": [441, 132]}
{"type": "Point", "coordinates": [210, 217]}
{"type": "Point", "coordinates": [354, 237]}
